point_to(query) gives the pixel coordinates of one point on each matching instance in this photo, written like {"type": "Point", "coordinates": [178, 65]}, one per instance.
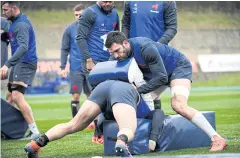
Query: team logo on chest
{"type": "Point", "coordinates": [154, 9]}
{"type": "Point", "coordinates": [134, 8]}
{"type": "Point", "coordinates": [11, 38]}
{"type": "Point", "coordinates": [114, 25]}
{"type": "Point", "coordinates": [102, 27]}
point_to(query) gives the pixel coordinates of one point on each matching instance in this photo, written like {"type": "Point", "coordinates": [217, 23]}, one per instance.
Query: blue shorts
{"type": "Point", "coordinates": [23, 72]}
{"type": "Point", "coordinates": [110, 92]}
{"type": "Point", "coordinates": [79, 81]}
{"type": "Point", "coordinates": [183, 69]}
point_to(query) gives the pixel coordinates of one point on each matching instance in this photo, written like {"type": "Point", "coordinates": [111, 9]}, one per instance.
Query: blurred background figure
{"type": "Point", "coordinates": [4, 40]}
{"type": "Point", "coordinates": [69, 48]}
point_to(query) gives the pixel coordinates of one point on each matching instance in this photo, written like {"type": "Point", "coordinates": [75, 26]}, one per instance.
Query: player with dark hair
{"type": "Point", "coordinates": [23, 61]}
{"type": "Point", "coordinates": [69, 47]}
{"type": "Point", "coordinates": [163, 66]}
{"type": "Point", "coordinates": [156, 20]}
{"type": "Point", "coordinates": [93, 25]}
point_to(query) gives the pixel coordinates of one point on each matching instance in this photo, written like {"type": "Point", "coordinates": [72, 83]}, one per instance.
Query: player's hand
{"type": "Point", "coordinates": [3, 72]}
{"type": "Point", "coordinates": [63, 73]}
{"type": "Point", "coordinates": [90, 64]}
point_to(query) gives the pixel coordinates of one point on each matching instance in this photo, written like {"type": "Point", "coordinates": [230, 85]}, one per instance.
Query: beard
{"type": "Point", "coordinates": [107, 9]}
{"type": "Point", "coordinates": [10, 18]}
{"type": "Point", "coordinates": [127, 51]}
{"type": "Point", "coordinates": [126, 54]}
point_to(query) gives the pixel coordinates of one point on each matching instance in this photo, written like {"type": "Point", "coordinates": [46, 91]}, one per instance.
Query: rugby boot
{"type": "Point", "coordinates": [121, 149]}
{"type": "Point", "coordinates": [218, 144]}
{"type": "Point", "coordinates": [32, 149]}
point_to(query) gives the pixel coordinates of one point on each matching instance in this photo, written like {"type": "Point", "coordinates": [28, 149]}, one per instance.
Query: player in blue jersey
{"type": "Point", "coordinates": [93, 25]}
{"type": "Point", "coordinates": [69, 47]}
{"type": "Point", "coordinates": [4, 41]}
{"type": "Point", "coordinates": [23, 62]}
{"type": "Point", "coordinates": [115, 98]}
{"type": "Point", "coordinates": [163, 66]}
{"type": "Point", "coordinates": [156, 20]}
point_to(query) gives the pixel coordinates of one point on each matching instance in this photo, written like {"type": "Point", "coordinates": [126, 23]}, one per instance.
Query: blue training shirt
{"type": "Point", "coordinates": [22, 40]}
{"type": "Point", "coordinates": [156, 61]}
{"type": "Point", "coordinates": [92, 29]}
{"type": "Point", "coordinates": [156, 20]}
{"type": "Point", "coordinates": [69, 47]}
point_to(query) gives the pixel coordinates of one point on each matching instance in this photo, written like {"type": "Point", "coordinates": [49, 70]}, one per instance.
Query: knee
{"type": "Point", "coordinates": [178, 104]}
{"type": "Point", "coordinates": [75, 97]}
{"type": "Point", "coordinates": [16, 97]}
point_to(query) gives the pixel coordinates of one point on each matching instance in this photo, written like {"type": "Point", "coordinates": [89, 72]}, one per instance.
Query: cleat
{"type": "Point", "coordinates": [31, 136]}
{"type": "Point", "coordinates": [98, 139]}
{"type": "Point", "coordinates": [218, 144]}
{"type": "Point", "coordinates": [32, 149]}
{"type": "Point", "coordinates": [121, 149]}
{"type": "Point", "coordinates": [94, 139]}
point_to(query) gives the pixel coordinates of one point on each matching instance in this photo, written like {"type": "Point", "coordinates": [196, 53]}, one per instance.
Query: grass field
{"type": "Point", "coordinates": [51, 110]}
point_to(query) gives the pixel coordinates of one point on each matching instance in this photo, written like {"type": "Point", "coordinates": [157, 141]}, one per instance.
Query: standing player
{"type": "Point", "coordinates": [69, 47]}
{"type": "Point", "coordinates": [94, 24]}
{"type": "Point", "coordinates": [23, 61]}
{"type": "Point", "coordinates": [163, 66]}
{"type": "Point", "coordinates": [156, 20]}
{"type": "Point", "coordinates": [4, 40]}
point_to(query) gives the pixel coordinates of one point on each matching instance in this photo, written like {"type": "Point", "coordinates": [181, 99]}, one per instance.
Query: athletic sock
{"type": "Point", "coordinates": [74, 106]}
{"type": "Point", "coordinates": [157, 104]}
{"type": "Point", "coordinates": [33, 128]}
{"type": "Point", "coordinates": [124, 138]}
{"type": "Point", "coordinates": [200, 121]}
{"type": "Point", "coordinates": [42, 140]}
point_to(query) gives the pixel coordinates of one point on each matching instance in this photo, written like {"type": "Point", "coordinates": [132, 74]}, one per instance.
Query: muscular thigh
{"type": "Point", "coordinates": [23, 72]}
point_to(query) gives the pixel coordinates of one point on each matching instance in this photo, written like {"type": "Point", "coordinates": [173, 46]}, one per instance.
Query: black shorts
{"type": "Point", "coordinates": [79, 81]}
{"type": "Point", "coordinates": [183, 69]}
{"type": "Point", "coordinates": [23, 72]}
{"type": "Point", "coordinates": [110, 92]}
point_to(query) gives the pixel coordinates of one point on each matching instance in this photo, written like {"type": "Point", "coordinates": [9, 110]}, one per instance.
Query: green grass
{"type": "Point", "coordinates": [225, 80]}
{"type": "Point", "coordinates": [51, 110]}
{"type": "Point", "coordinates": [186, 20]}
{"type": "Point", "coordinates": [207, 20]}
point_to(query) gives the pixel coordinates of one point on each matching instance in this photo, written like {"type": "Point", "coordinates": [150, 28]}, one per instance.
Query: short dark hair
{"type": "Point", "coordinates": [79, 7]}
{"type": "Point", "coordinates": [12, 3]}
{"type": "Point", "coordinates": [114, 37]}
